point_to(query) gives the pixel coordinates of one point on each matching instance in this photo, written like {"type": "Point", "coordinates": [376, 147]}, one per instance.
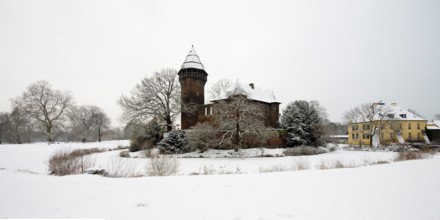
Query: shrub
{"type": "Point", "coordinates": [124, 154]}
{"type": "Point", "coordinates": [145, 136]}
{"type": "Point", "coordinates": [275, 139]}
{"type": "Point", "coordinates": [136, 143]}
{"type": "Point", "coordinates": [174, 143]}
{"type": "Point", "coordinates": [202, 137]}
{"type": "Point", "coordinates": [411, 155]}
{"type": "Point", "coordinates": [121, 168]}
{"type": "Point", "coordinates": [152, 153]}
{"type": "Point", "coordinates": [322, 150]}
{"type": "Point", "coordinates": [83, 152]}
{"type": "Point", "coordinates": [299, 151]}
{"type": "Point", "coordinates": [221, 171]}
{"type": "Point", "coordinates": [163, 165]}
{"type": "Point", "coordinates": [64, 162]}
{"type": "Point", "coordinates": [301, 163]}
{"type": "Point", "coordinates": [333, 148]}
{"type": "Point", "coordinates": [274, 168]}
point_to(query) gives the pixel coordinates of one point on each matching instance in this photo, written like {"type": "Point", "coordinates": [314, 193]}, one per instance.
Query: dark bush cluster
{"type": "Point", "coordinates": [146, 136]}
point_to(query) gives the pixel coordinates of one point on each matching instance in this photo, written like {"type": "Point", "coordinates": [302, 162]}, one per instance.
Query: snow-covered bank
{"type": "Point", "coordinates": [398, 190]}
{"type": "Point", "coordinates": [34, 157]}
{"type": "Point", "coordinates": [404, 190]}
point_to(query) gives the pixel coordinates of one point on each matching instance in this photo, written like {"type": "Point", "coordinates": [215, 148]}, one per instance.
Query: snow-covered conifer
{"type": "Point", "coordinates": [175, 142]}
{"type": "Point", "coordinates": [302, 121]}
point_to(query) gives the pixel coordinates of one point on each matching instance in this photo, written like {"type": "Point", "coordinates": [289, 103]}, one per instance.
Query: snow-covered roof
{"type": "Point", "coordinates": [401, 114]}
{"type": "Point", "coordinates": [192, 60]}
{"type": "Point", "coordinates": [253, 92]}
{"type": "Point", "coordinates": [259, 94]}
{"type": "Point", "coordinates": [393, 112]}
{"type": "Point", "coordinates": [433, 125]}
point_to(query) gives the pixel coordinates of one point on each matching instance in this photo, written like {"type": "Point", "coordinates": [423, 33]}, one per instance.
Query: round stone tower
{"type": "Point", "coordinates": [192, 77]}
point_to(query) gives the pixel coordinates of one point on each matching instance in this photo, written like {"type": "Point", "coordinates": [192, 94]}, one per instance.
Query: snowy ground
{"type": "Point", "coordinates": [398, 190]}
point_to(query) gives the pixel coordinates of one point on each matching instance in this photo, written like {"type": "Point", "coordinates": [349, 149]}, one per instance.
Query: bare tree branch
{"type": "Point", "coordinates": [157, 96]}
{"type": "Point", "coordinates": [44, 105]}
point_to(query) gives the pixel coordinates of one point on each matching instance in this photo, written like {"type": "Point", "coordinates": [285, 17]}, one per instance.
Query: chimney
{"type": "Point", "coordinates": [252, 85]}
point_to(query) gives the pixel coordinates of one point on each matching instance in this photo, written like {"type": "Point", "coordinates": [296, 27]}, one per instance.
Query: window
{"type": "Point", "coordinates": [418, 126]}
{"type": "Point", "coordinates": [409, 125]}
{"type": "Point", "coordinates": [357, 136]}
{"type": "Point", "coordinates": [352, 136]}
{"type": "Point", "coordinates": [206, 111]}
{"type": "Point", "coordinates": [355, 127]}
{"type": "Point", "coordinates": [409, 135]}
{"type": "Point", "coordinates": [366, 136]}
{"type": "Point", "coordinates": [210, 110]}
{"type": "Point", "coordinates": [403, 115]}
{"type": "Point", "coordinates": [366, 127]}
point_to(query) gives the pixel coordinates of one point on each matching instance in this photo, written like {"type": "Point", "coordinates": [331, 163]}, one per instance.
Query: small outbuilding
{"type": "Point", "coordinates": [433, 131]}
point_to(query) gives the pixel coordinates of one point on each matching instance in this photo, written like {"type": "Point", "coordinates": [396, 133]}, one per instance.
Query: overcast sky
{"type": "Point", "coordinates": [341, 53]}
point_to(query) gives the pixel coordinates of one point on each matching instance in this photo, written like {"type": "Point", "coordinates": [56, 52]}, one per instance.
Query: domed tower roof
{"type": "Point", "coordinates": [192, 61]}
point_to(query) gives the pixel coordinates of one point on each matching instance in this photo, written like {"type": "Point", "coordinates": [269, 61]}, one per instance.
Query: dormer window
{"type": "Point", "coordinates": [403, 115]}
{"type": "Point", "coordinates": [390, 115]}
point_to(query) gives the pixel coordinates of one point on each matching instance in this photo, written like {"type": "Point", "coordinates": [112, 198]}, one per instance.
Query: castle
{"type": "Point", "coordinates": [193, 77]}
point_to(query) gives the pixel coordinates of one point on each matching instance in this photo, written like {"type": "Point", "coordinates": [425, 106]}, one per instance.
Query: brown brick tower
{"type": "Point", "coordinates": [192, 77]}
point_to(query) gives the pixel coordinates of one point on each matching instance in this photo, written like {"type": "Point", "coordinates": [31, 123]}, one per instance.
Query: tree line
{"type": "Point", "coordinates": [44, 114]}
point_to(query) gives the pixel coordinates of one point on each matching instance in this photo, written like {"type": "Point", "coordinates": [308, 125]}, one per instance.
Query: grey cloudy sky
{"type": "Point", "coordinates": [341, 52]}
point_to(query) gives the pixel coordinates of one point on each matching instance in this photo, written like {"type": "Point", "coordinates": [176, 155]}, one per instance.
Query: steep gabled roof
{"type": "Point", "coordinates": [192, 60]}
{"type": "Point", "coordinates": [252, 92]}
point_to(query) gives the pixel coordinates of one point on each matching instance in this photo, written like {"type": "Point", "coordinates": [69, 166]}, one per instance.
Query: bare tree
{"type": "Point", "coordinates": [220, 89]}
{"type": "Point", "coordinates": [84, 118]}
{"type": "Point", "coordinates": [322, 112]}
{"type": "Point", "coordinates": [89, 118]}
{"type": "Point", "coordinates": [20, 126]}
{"type": "Point", "coordinates": [373, 116]}
{"type": "Point", "coordinates": [238, 120]}
{"type": "Point", "coordinates": [156, 96]}
{"type": "Point", "coordinates": [45, 105]}
{"type": "Point", "coordinates": [4, 126]}
{"type": "Point", "coordinates": [102, 121]}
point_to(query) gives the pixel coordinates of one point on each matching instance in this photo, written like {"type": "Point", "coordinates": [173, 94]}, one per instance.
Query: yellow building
{"type": "Point", "coordinates": [390, 124]}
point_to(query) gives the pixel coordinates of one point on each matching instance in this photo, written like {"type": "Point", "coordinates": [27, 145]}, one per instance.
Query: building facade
{"type": "Point", "coordinates": [193, 77]}
{"type": "Point", "coordinates": [396, 126]}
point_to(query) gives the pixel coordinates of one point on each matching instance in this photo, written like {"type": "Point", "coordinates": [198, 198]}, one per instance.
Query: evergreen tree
{"type": "Point", "coordinates": [175, 142]}
{"type": "Point", "coordinates": [302, 121]}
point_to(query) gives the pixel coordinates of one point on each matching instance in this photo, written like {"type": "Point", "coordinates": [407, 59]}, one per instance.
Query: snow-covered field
{"type": "Point", "coordinates": [397, 190]}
